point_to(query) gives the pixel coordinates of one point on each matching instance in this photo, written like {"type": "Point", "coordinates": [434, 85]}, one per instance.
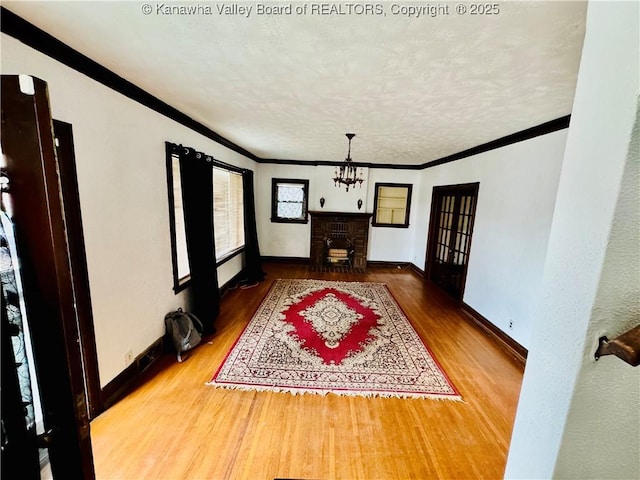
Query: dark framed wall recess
{"type": "Point", "coordinates": [453, 210]}
{"type": "Point", "coordinates": [392, 204]}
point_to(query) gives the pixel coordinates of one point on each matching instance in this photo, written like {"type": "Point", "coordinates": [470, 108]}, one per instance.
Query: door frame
{"type": "Point", "coordinates": [65, 151]}
{"type": "Point", "coordinates": [436, 199]}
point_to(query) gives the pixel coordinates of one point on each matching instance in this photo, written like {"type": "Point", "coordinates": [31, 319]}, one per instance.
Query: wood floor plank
{"type": "Point", "coordinates": [175, 427]}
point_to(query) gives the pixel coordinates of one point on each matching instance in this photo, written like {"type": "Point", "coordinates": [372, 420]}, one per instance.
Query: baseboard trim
{"type": "Point", "coordinates": [513, 348]}
{"type": "Point", "coordinates": [399, 265]}
{"type": "Point", "coordinates": [117, 388]}
{"type": "Point", "coordinates": [232, 283]}
{"type": "Point", "coordinates": [417, 270]}
{"type": "Point", "coordinates": [297, 260]}
{"type": "Point", "coordinates": [386, 264]}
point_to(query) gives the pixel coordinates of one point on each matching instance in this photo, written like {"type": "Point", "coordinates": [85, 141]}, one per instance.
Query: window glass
{"type": "Point", "coordinates": [228, 212]}
{"type": "Point", "coordinates": [289, 200]}
{"type": "Point", "coordinates": [179, 240]}
{"type": "Point", "coordinates": [228, 217]}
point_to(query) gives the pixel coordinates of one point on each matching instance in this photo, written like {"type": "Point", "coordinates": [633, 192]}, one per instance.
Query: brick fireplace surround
{"type": "Point", "coordinates": [346, 234]}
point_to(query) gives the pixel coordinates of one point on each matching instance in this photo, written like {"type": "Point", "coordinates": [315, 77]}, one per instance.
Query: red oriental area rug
{"type": "Point", "coordinates": [347, 338]}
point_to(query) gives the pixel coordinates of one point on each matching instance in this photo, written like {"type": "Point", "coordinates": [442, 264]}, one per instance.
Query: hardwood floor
{"type": "Point", "coordinates": [176, 427]}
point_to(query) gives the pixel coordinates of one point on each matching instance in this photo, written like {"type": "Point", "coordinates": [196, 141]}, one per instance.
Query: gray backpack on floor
{"type": "Point", "coordinates": [184, 330]}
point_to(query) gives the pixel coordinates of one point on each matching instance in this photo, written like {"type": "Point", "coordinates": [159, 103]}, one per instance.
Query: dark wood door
{"type": "Point", "coordinates": [453, 210]}
{"type": "Point", "coordinates": [34, 197]}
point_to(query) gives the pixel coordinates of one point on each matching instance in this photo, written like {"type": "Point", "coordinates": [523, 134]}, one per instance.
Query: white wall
{"type": "Point", "coordinates": [608, 443]}
{"type": "Point", "coordinates": [577, 418]}
{"type": "Point", "coordinates": [392, 244]}
{"type": "Point", "coordinates": [120, 157]}
{"type": "Point", "coordinates": [516, 197]}
{"type": "Point", "coordinates": [293, 239]}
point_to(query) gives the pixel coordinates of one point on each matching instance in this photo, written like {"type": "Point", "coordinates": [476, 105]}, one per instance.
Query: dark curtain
{"type": "Point", "coordinates": [253, 263]}
{"type": "Point", "coordinates": [196, 173]}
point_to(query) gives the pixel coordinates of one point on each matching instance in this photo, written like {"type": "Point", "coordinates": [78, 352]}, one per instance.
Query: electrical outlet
{"type": "Point", "coordinates": [510, 323]}
{"type": "Point", "coordinates": [128, 357]}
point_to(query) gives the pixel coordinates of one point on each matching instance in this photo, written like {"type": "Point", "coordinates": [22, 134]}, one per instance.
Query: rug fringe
{"type": "Point", "coordinates": [340, 393]}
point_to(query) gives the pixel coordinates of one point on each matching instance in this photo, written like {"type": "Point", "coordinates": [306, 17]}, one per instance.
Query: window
{"type": "Point", "coordinates": [289, 198]}
{"type": "Point", "coordinates": [181, 272]}
{"type": "Point", "coordinates": [391, 205]}
{"type": "Point", "coordinates": [228, 217]}
{"type": "Point", "coordinates": [228, 213]}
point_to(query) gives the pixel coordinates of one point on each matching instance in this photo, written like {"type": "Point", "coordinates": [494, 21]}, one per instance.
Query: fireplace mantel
{"type": "Point", "coordinates": [346, 232]}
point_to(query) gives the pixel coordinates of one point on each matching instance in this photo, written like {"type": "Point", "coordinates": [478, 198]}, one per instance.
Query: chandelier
{"type": "Point", "coordinates": [347, 172]}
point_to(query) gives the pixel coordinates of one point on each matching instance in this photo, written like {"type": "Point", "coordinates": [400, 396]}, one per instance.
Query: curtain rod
{"type": "Point", "coordinates": [175, 148]}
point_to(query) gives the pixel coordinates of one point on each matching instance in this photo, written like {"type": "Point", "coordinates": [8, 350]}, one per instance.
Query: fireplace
{"type": "Point", "coordinates": [339, 241]}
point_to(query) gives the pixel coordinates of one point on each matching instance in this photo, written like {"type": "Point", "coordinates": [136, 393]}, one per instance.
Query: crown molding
{"type": "Point", "coordinates": [38, 39]}
{"type": "Point", "coordinates": [527, 134]}
{"type": "Point", "coordinates": [27, 33]}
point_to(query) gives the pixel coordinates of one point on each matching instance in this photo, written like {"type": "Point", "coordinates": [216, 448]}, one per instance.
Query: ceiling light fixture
{"type": "Point", "coordinates": [347, 172]}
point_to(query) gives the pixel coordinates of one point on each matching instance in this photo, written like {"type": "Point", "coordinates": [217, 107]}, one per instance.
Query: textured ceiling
{"type": "Point", "coordinates": [290, 86]}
